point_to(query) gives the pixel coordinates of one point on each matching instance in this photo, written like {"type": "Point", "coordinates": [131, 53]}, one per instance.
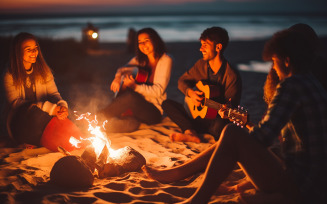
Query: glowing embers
{"type": "Point", "coordinates": [101, 158]}
{"type": "Point", "coordinates": [98, 138]}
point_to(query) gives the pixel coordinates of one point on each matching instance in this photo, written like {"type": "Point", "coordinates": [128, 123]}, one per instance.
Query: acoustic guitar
{"type": "Point", "coordinates": [140, 76]}
{"type": "Point", "coordinates": [209, 108]}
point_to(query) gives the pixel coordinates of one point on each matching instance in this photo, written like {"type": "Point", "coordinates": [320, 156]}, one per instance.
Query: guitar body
{"type": "Point", "coordinates": [209, 108]}
{"type": "Point", "coordinates": [203, 111]}
{"type": "Point", "coordinates": [141, 76]}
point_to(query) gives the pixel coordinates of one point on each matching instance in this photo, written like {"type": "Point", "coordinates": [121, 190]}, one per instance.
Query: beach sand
{"type": "Point", "coordinates": [83, 79]}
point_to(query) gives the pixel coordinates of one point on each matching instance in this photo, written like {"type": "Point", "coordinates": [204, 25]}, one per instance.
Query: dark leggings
{"type": "Point", "coordinates": [177, 113]}
{"type": "Point", "coordinates": [142, 110]}
{"type": "Point", "coordinates": [28, 124]}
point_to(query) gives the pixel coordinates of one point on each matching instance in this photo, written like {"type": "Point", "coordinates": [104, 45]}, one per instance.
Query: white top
{"type": "Point", "coordinates": [155, 93]}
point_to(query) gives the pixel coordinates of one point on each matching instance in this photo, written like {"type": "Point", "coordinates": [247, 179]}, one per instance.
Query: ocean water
{"type": "Point", "coordinates": [172, 28]}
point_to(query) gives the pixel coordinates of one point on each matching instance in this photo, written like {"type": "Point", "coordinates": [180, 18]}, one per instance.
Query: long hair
{"type": "Point", "coordinates": [16, 66]}
{"type": "Point", "coordinates": [270, 86]}
{"type": "Point", "coordinates": [158, 45]}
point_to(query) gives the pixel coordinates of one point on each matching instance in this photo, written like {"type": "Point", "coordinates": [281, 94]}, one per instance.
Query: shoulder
{"type": "Point", "coordinates": [166, 57]}
{"type": "Point", "coordinates": [295, 83]}
{"type": "Point", "coordinates": [49, 77]}
{"type": "Point", "coordinates": [200, 65]}
{"type": "Point", "coordinates": [231, 71]}
{"type": "Point", "coordinates": [7, 76]}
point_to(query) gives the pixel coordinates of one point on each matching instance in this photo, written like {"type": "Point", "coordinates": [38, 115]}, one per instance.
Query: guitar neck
{"type": "Point", "coordinates": [213, 104]}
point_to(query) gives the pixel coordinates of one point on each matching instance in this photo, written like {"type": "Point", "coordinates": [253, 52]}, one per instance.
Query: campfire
{"type": "Point", "coordinates": [97, 160]}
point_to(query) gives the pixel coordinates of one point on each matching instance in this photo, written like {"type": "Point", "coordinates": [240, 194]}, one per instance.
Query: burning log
{"type": "Point", "coordinates": [126, 160]}
{"type": "Point", "coordinates": [71, 172]}
{"type": "Point", "coordinates": [89, 157]}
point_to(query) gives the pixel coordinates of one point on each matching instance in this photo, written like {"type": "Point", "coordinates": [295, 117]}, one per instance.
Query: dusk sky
{"type": "Point", "coordinates": [79, 6]}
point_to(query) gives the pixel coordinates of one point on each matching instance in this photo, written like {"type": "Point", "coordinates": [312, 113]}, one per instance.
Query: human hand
{"type": "Point", "coordinates": [196, 96]}
{"type": "Point", "coordinates": [115, 85]}
{"type": "Point", "coordinates": [223, 112]}
{"type": "Point", "coordinates": [61, 112]}
{"type": "Point", "coordinates": [129, 81]}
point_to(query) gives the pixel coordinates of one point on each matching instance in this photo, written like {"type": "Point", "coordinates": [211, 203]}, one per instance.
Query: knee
{"type": "Point", "coordinates": [129, 95]}
{"type": "Point", "coordinates": [233, 133]}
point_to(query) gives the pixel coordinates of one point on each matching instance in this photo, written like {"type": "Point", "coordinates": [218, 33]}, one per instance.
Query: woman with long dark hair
{"type": "Point", "coordinates": [31, 92]}
{"type": "Point", "coordinates": [142, 99]}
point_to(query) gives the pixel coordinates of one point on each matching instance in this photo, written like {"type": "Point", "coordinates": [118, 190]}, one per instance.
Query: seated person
{"type": "Point", "coordinates": [31, 92]}
{"type": "Point", "coordinates": [215, 70]}
{"type": "Point", "coordinates": [141, 100]}
{"type": "Point", "coordinates": [299, 102]}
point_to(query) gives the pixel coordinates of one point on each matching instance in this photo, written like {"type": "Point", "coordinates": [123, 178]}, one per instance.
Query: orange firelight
{"type": "Point", "coordinates": [99, 139]}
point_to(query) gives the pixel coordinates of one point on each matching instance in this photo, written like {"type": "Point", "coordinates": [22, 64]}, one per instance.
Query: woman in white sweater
{"type": "Point", "coordinates": [31, 92]}
{"type": "Point", "coordinates": [142, 99]}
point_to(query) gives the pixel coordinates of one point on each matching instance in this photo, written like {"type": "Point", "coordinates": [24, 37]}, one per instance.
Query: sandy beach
{"type": "Point", "coordinates": [83, 78]}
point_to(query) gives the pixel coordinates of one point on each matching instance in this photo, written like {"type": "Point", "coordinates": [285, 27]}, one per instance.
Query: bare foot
{"type": "Point", "coordinates": [162, 176]}
{"type": "Point", "coordinates": [187, 136]}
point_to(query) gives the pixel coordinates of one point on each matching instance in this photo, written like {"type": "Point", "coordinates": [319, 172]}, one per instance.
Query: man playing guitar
{"type": "Point", "coordinates": [212, 69]}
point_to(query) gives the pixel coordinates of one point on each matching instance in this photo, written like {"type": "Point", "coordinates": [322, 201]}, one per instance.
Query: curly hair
{"type": "Point", "coordinates": [158, 45]}
{"type": "Point", "coordinates": [16, 66]}
{"type": "Point", "coordinates": [287, 43]}
{"type": "Point", "coordinates": [270, 86]}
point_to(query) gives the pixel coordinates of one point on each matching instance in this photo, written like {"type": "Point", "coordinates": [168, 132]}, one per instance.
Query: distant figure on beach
{"type": "Point", "coordinates": [90, 36]}
{"type": "Point", "coordinates": [212, 69]}
{"type": "Point", "coordinates": [131, 40]}
{"type": "Point", "coordinates": [140, 85]}
{"type": "Point", "coordinates": [300, 103]}
{"type": "Point", "coordinates": [31, 92]}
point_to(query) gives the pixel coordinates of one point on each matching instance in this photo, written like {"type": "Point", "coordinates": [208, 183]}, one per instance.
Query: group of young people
{"type": "Point", "coordinates": [295, 93]}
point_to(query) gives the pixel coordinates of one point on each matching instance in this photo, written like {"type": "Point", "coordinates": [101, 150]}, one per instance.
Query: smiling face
{"type": "Point", "coordinates": [30, 52]}
{"type": "Point", "coordinates": [208, 49]}
{"type": "Point", "coordinates": [145, 44]}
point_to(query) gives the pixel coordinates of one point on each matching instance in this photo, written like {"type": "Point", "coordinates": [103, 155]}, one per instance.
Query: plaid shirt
{"type": "Point", "coordinates": [298, 113]}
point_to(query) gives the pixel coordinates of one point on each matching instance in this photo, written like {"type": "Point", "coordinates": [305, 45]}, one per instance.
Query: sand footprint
{"type": "Point", "coordinates": [114, 197]}
{"type": "Point", "coordinates": [116, 186]}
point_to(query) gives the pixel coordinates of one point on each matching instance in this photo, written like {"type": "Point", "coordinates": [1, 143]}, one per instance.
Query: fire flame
{"type": "Point", "coordinates": [99, 140]}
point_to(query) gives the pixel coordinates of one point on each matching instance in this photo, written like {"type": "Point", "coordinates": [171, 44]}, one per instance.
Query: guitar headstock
{"type": "Point", "coordinates": [238, 116]}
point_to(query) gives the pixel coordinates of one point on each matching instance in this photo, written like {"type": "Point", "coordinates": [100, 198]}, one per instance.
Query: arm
{"type": "Point", "coordinates": [279, 113]}
{"type": "Point", "coordinates": [49, 98]}
{"type": "Point", "coordinates": [127, 69]}
{"type": "Point", "coordinates": [161, 79]}
{"type": "Point", "coordinates": [188, 80]}
{"type": "Point", "coordinates": [14, 95]}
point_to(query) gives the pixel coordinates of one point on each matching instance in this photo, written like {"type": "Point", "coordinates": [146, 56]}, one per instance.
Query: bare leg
{"type": "Point", "coordinates": [195, 165]}
{"type": "Point", "coordinates": [261, 166]}
{"type": "Point", "coordinates": [187, 136]}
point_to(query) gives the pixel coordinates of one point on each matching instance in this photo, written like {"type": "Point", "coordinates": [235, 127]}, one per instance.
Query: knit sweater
{"type": "Point", "coordinates": [156, 92]}
{"type": "Point", "coordinates": [47, 95]}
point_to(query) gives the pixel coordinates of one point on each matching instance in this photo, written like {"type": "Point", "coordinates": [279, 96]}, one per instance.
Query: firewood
{"type": "Point", "coordinates": [129, 160]}
{"type": "Point", "coordinates": [71, 172]}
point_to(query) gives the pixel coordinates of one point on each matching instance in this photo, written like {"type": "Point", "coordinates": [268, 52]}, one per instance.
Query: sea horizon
{"type": "Point", "coordinates": [172, 27]}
